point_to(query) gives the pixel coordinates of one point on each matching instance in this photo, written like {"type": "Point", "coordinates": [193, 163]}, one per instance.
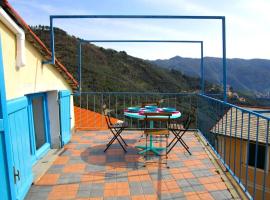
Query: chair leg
{"type": "Point", "coordinates": [116, 135]}
{"type": "Point", "coordinates": [173, 138]}
{"type": "Point", "coordinates": [167, 138]}
{"type": "Point", "coordinates": [145, 156]}
{"type": "Point", "coordinates": [179, 139]}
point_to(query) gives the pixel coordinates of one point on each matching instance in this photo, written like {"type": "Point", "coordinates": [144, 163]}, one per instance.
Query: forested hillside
{"type": "Point", "coordinates": [110, 70]}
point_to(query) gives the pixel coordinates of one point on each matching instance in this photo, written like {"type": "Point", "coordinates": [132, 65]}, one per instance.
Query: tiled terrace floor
{"type": "Point", "coordinates": [84, 171]}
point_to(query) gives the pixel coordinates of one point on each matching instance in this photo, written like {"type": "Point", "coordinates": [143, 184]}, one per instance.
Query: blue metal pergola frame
{"type": "Point", "coordinates": [223, 27]}
{"type": "Point", "coordinates": [140, 41]}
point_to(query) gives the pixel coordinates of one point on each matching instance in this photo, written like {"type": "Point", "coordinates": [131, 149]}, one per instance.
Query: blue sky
{"type": "Point", "coordinates": [247, 24]}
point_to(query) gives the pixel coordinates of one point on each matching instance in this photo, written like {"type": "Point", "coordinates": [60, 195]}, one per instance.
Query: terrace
{"type": "Point", "coordinates": [84, 171]}
{"type": "Point", "coordinates": [213, 171]}
{"type": "Point", "coordinates": [225, 141]}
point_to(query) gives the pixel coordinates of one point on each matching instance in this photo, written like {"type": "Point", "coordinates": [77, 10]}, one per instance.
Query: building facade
{"type": "Point", "coordinates": [36, 103]}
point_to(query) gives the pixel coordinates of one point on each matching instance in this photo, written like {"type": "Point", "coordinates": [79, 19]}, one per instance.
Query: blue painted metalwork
{"type": "Point", "coordinates": [80, 65]}
{"type": "Point", "coordinates": [222, 18]}
{"type": "Point", "coordinates": [266, 156]}
{"type": "Point", "coordinates": [20, 145]}
{"type": "Point", "coordinates": [140, 41]}
{"type": "Point", "coordinates": [7, 188]}
{"type": "Point", "coordinates": [241, 141]}
{"type": "Point", "coordinates": [230, 149]}
{"type": "Point", "coordinates": [65, 117]}
{"type": "Point", "coordinates": [118, 101]}
{"type": "Point", "coordinates": [235, 106]}
{"type": "Point", "coordinates": [224, 59]}
{"type": "Point", "coordinates": [202, 71]}
{"type": "Point", "coordinates": [235, 131]}
{"type": "Point", "coordinates": [208, 104]}
{"type": "Point", "coordinates": [246, 179]}
{"type": "Point", "coordinates": [256, 158]}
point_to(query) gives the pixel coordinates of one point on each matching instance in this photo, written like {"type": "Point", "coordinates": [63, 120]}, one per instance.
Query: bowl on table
{"type": "Point", "coordinates": [152, 107]}
{"type": "Point", "coordinates": [133, 109]}
{"type": "Point", "coordinates": [168, 109]}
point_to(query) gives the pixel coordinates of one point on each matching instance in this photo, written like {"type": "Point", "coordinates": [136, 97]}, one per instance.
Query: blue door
{"type": "Point", "coordinates": [7, 190]}
{"type": "Point", "coordinates": [19, 135]}
{"type": "Point", "coordinates": [64, 102]}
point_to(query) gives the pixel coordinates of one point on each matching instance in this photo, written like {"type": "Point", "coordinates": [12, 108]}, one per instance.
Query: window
{"type": "Point", "coordinates": [260, 155]}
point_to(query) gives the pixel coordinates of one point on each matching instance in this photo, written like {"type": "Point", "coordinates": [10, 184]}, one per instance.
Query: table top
{"type": "Point", "coordinates": [138, 113]}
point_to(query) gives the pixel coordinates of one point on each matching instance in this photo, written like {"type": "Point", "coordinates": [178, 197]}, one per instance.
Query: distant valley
{"type": "Point", "coordinates": [247, 76]}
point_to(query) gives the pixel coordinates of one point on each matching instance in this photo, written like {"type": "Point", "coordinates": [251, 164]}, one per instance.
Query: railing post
{"type": "Point", "coordinates": [224, 60]}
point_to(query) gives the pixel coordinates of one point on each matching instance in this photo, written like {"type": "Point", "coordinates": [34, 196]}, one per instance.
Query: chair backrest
{"type": "Point", "coordinates": [157, 117]}
{"type": "Point", "coordinates": [184, 121]}
{"type": "Point", "coordinates": [107, 114]}
{"type": "Point", "coordinates": [154, 103]}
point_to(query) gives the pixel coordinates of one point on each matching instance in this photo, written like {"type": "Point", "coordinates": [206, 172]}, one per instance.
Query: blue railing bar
{"type": "Point", "coordinates": [240, 108]}
{"type": "Point", "coordinates": [247, 151]}
{"type": "Point", "coordinates": [265, 158]}
{"type": "Point", "coordinates": [135, 17]}
{"type": "Point", "coordinates": [256, 158]}
{"type": "Point", "coordinates": [222, 127]}
{"type": "Point", "coordinates": [230, 150]}
{"type": "Point", "coordinates": [240, 166]}
{"type": "Point", "coordinates": [235, 138]}
{"type": "Point", "coordinates": [261, 111]}
{"type": "Point", "coordinates": [226, 120]}
{"type": "Point", "coordinates": [224, 60]}
{"type": "Point", "coordinates": [202, 70]}
{"type": "Point", "coordinates": [80, 67]}
{"type": "Point", "coordinates": [227, 167]}
{"type": "Point", "coordinates": [140, 41]}
{"type": "Point", "coordinates": [52, 61]}
{"type": "Point", "coordinates": [138, 93]}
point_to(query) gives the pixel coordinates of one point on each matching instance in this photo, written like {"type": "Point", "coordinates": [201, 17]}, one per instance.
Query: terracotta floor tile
{"type": "Point", "coordinates": [211, 186]}
{"type": "Point", "coordinates": [122, 185]}
{"type": "Point", "coordinates": [61, 160]}
{"type": "Point", "coordinates": [206, 196]}
{"type": "Point", "coordinates": [151, 197]}
{"type": "Point", "coordinates": [110, 193]}
{"type": "Point", "coordinates": [123, 192]}
{"type": "Point", "coordinates": [73, 168]}
{"type": "Point", "coordinates": [68, 191]}
{"type": "Point", "coordinates": [48, 179]}
{"type": "Point", "coordinates": [138, 197]}
{"type": "Point", "coordinates": [193, 197]}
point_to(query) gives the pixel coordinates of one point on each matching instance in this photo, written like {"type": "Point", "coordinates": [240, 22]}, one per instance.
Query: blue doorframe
{"type": "Point", "coordinates": [38, 153]}
{"type": "Point", "coordinates": [7, 187]}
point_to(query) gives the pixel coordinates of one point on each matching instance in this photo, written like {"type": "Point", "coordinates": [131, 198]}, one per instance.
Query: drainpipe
{"type": "Point", "coordinates": [20, 36]}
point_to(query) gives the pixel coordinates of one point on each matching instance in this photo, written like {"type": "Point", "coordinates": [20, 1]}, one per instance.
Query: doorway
{"type": "Point", "coordinates": [38, 114]}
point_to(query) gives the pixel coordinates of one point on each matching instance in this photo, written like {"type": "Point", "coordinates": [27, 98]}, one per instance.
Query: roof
{"type": "Point", "coordinates": [234, 126]}
{"type": "Point", "coordinates": [38, 44]}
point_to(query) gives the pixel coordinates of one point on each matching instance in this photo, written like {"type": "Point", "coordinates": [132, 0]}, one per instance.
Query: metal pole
{"type": "Point", "coordinates": [224, 59]}
{"type": "Point", "coordinates": [202, 70]}
{"type": "Point", "coordinates": [80, 68]}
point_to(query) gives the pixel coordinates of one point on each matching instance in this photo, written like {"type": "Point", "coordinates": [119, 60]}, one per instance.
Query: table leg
{"type": "Point", "coordinates": [151, 147]}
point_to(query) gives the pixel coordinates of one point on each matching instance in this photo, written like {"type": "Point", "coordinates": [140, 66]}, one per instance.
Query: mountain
{"type": "Point", "coordinates": [109, 70]}
{"type": "Point", "coordinates": [247, 76]}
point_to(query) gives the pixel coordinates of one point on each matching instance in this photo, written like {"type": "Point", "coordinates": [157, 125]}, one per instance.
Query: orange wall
{"type": "Point", "coordinates": [235, 146]}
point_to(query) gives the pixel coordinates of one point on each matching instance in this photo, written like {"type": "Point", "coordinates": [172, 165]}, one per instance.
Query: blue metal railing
{"type": "Point", "coordinates": [240, 138]}
{"type": "Point", "coordinates": [118, 101]}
